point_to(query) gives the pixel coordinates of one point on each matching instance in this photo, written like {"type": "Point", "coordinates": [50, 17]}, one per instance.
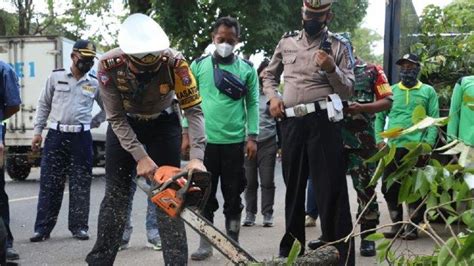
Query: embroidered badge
{"type": "Point", "coordinates": [103, 78]}
{"type": "Point", "coordinates": [88, 88]}
{"type": "Point", "coordinates": [183, 74]}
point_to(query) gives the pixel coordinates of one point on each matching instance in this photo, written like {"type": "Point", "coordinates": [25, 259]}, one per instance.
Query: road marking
{"type": "Point", "coordinates": [28, 198]}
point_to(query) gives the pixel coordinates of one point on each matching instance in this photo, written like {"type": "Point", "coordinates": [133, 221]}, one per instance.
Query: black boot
{"type": "Point", "coordinates": [232, 227]}
{"type": "Point", "coordinates": [367, 247]}
{"type": "Point", "coordinates": [204, 251]}
{"type": "Point", "coordinates": [396, 215]}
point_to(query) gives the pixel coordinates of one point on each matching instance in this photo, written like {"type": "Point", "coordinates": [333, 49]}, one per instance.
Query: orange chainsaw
{"type": "Point", "coordinates": [183, 194]}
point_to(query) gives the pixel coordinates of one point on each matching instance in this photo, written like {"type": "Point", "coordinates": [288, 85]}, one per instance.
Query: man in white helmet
{"type": "Point", "coordinates": [139, 84]}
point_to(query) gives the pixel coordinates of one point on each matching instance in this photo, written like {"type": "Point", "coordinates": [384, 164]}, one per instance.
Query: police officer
{"type": "Point", "coordinates": [139, 83]}
{"type": "Point", "coordinates": [10, 104]}
{"type": "Point", "coordinates": [67, 101]}
{"type": "Point", "coordinates": [311, 143]}
{"type": "Point", "coordinates": [372, 94]}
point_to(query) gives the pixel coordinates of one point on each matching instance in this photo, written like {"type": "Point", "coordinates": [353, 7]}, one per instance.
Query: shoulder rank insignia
{"type": "Point", "coordinates": [290, 34]}
{"type": "Point", "coordinates": [113, 62]}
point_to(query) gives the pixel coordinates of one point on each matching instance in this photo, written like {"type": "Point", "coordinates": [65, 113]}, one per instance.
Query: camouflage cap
{"type": "Point", "coordinates": [318, 5]}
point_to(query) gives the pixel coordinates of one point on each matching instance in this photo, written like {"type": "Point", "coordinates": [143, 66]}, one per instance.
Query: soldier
{"type": "Point", "coordinates": [407, 95]}
{"type": "Point", "coordinates": [372, 94]}
{"type": "Point", "coordinates": [139, 83]}
{"type": "Point", "coordinates": [67, 101]}
{"type": "Point", "coordinates": [311, 136]}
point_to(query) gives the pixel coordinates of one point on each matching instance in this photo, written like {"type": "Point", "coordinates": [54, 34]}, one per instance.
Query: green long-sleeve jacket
{"type": "Point", "coordinates": [405, 100]}
{"type": "Point", "coordinates": [461, 113]}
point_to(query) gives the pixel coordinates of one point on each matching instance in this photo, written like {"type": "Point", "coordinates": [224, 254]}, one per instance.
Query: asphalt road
{"type": "Point", "coordinates": [62, 249]}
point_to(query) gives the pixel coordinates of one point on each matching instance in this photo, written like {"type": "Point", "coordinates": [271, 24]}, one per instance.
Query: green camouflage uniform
{"type": "Point", "coordinates": [359, 136]}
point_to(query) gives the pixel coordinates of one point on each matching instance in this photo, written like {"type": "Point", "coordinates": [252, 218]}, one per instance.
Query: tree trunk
{"type": "Point", "coordinates": [323, 257]}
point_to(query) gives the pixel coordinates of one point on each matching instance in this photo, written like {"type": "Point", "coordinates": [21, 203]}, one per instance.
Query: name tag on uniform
{"type": "Point", "coordinates": [88, 88]}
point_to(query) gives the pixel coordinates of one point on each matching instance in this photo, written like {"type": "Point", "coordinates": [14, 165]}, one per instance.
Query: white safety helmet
{"type": "Point", "coordinates": [142, 39]}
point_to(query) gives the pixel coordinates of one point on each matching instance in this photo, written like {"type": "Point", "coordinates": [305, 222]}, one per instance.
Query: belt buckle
{"type": "Point", "coordinates": [300, 110]}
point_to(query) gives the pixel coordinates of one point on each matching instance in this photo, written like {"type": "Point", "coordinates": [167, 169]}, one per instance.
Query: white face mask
{"type": "Point", "coordinates": [224, 49]}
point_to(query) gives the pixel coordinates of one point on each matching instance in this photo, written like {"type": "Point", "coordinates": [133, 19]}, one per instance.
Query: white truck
{"type": "Point", "coordinates": [33, 58]}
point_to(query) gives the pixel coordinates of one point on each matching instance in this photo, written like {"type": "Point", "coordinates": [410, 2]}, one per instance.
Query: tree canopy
{"type": "Point", "coordinates": [189, 22]}
{"type": "Point", "coordinates": [446, 45]}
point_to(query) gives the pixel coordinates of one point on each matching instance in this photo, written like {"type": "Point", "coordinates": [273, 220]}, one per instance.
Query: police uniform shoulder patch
{"type": "Point", "coordinates": [113, 62]}
{"type": "Point", "coordinates": [59, 70]}
{"type": "Point", "coordinates": [347, 43]}
{"type": "Point", "coordinates": [201, 58]}
{"type": "Point", "coordinates": [292, 33]}
{"type": "Point", "coordinates": [248, 62]}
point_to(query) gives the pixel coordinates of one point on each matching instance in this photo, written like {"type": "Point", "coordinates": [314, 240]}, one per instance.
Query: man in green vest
{"type": "Point", "coordinates": [407, 95]}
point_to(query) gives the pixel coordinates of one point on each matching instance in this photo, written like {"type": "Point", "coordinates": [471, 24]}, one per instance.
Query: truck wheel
{"type": "Point", "coordinates": [17, 168]}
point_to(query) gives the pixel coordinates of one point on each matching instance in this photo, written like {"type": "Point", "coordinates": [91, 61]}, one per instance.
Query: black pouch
{"type": "Point", "coordinates": [228, 83]}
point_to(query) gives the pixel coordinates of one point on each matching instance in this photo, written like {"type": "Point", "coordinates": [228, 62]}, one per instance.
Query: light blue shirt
{"type": "Point", "coordinates": [67, 101]}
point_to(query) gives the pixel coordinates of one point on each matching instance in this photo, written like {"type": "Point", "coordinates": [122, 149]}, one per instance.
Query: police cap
{"type": "Point", "coordinates": [85, 48]}
{"type": "Point", "coordinates": [318, 6]}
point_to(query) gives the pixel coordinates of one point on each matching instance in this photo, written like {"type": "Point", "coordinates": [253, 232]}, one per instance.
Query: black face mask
{"type": "Point", "coordinates": [409, 77]}
{"type": "Point", "coordinates": [84, 65]}
{"type": "Point", "coordinates": [313, 27]}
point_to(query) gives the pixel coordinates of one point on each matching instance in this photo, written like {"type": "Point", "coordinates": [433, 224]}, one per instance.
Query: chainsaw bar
{"type": "Point", "coordinates": [227, 246]}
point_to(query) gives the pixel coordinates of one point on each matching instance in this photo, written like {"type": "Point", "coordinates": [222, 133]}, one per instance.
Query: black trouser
{"type": "Point", "coordinates": [391, 194]}
{"type": "Point", "coordinates": [162, 139]}
{"type": "Point", "coordinates": [311, 145]}
{"type": "Point", "coordinates": [227, 162]}
{"type": "Point", "coordinates": [65, 155]}
{"type": "Point", "coordinates": [262, 165]}
{"type": "Point", "coordinates": [6, 237]}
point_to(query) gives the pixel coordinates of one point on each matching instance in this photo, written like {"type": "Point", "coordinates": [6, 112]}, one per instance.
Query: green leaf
{"type": "Point", "coordinates": [378, 173]}
{"type": "Point", "coordinates": [467, 249]}
{"type": "Point", "coordinates": [468, 218]}
{"type": "Point", "coordinates": [382, 249]}
{"type": "Point", "coordinates": [418, 114]}
{"type": "Point", "coordinates": [413, 154]}
{"type": "Point", "coordinates": [374, 237]}
{"type": "Point", "coordinates": [294, 252]}
{"type": "Point", "coordinates": [391, 133]}
{"type": "Point", "coordinates": [444, 257]}
{"type": "Point", "coordinates": [391, 154]}
{"type": "Point", "coordinates": [451, 219]}
{"type": "Point", "coordinates": [379, 155]}
{"type": "Point", "coordinates": [405, 190]}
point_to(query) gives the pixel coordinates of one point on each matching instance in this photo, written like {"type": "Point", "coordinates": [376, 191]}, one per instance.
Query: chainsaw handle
{"type": "Point", "coordinates": [142, 184]}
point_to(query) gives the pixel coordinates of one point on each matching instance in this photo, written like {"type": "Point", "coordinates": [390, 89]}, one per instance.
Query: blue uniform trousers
{"type": "Point", "coordinates": [65, 155]}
